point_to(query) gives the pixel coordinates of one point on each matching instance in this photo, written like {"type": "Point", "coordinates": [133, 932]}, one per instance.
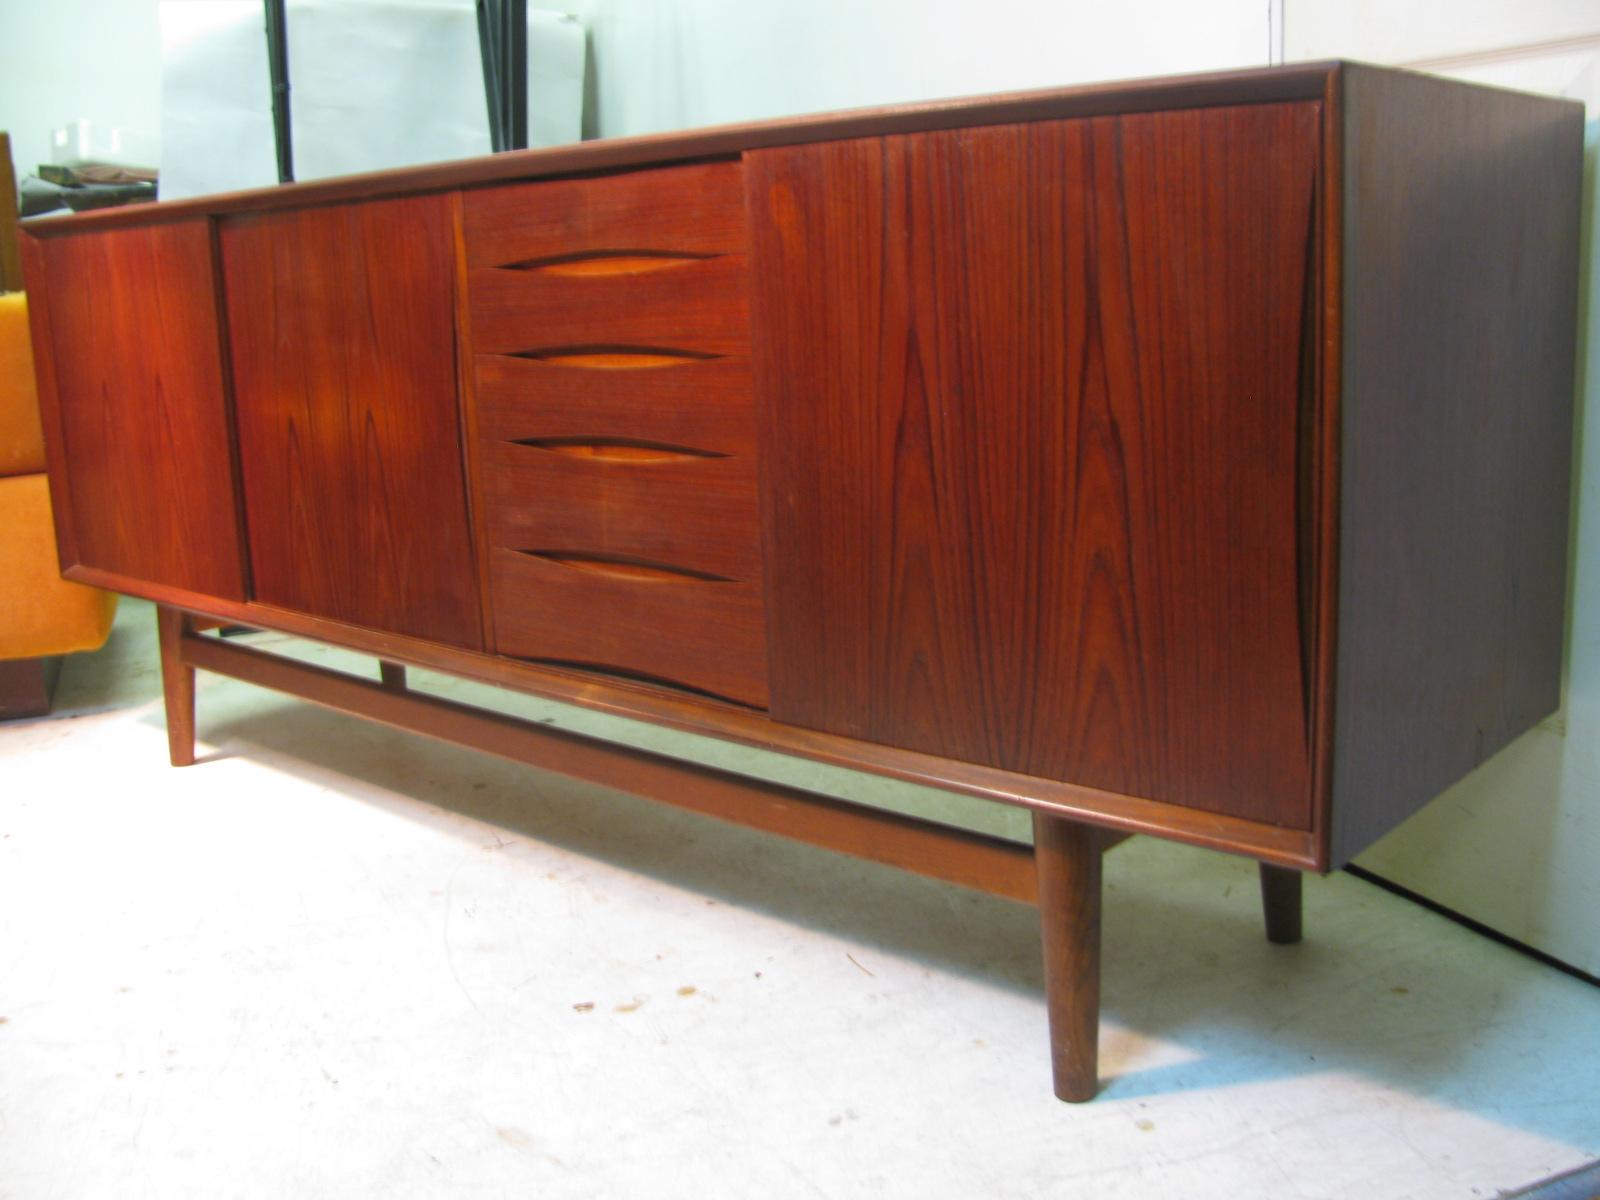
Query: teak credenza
{"type": "Point", "coordinates": [1188, 457]}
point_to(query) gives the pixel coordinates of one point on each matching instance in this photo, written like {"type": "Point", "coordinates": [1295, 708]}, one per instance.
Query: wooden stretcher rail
{"type": "Point", "coordinates": [974, 860]}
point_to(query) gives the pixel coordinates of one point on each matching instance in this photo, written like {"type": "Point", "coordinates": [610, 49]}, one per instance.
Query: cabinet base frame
{"type": "Point", "coordinates": [1062, 876]}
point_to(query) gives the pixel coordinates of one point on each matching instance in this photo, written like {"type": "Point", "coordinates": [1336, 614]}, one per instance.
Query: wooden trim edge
{"type": "Point", "coordinates": [728, 722]}
{"type": "Point", "coordinates": [1300, 81]}
{"type": "Point", "coordinates": [974, 860]}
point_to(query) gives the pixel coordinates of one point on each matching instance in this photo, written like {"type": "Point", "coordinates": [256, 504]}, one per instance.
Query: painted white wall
{"type": "Point", "coordinates": [1515, 845]}
{"type": "Point", "coordinates": [698, 62]}
{"type": "Point", "coordinates": [669, 65]}
{"type": "Point", "coordinates": [1381, 31]}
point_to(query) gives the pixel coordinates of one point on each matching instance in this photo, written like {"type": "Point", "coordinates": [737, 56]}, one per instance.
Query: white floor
{"type": "Point", "coordinates": [331, 960]}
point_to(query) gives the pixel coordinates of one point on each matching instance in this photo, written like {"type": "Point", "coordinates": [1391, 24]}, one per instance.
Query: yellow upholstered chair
{"type": "Point", "coordinates": [42, 616]}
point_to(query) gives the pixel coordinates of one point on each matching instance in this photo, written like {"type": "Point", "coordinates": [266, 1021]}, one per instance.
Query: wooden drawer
{"type": "Point", "coordinates": [687, 405]}
{"type": "Point", "coordinates": [695, 210]}
{"type": "Point", "coordinates": [638, 261]}
{"type": "Point", "coordinates": [672, 511]}
{"type": "Point", "coordinates": [614, 304]}
{"type": "Point", "coordinates": [615, 438]}
{"type": "Point", "coordinates": [702, 634]}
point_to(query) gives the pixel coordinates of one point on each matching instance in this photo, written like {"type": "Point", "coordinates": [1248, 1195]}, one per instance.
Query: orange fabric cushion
{"type": "Point", "coordinates": [40, 613]}
{"type": "Point", "coordinates": [21, 442]}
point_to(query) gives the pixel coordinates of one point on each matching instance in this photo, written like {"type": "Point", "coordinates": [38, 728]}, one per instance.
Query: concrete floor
{"type": "Point", "coordinates": [331, 960]}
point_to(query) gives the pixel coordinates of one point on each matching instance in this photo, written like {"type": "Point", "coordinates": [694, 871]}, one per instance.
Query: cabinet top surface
{"type": "Point", "coordinates": [1301, 81]}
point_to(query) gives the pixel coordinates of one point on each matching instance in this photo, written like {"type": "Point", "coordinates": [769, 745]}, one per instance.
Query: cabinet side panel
{"type": "Point", "coordinates": [1460, 283]}
{"type": "Point", "coordinates": [131, 362]}
{"type": "Point", "coordinates": [1031, 401]}
{"type": "Point", "coordinates": [341, 322]}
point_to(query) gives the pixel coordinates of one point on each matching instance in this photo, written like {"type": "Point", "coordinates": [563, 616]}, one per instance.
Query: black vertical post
{"type": "Point", "coordinates": [488, 41]}
{"type": "Point", "coordinates": [278, 68]}
{"type": "Point", "coordinates": [517, 73]}
{"type": "Point", "coordinates": [503, 46]}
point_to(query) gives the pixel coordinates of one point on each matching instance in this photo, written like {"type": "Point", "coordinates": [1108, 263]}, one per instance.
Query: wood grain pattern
{"type": "Point", "coordinates": [340, 323]}
{"type": "Point", "coordinates": [616, 451]}
{"type": "Point", "coordinates": [1067, 858]}
{"type": "Point", "coordinates": [699, 306]}
{"type": "Point", "coordinates": [706, 405]}
{"type": "Point", "coordinates": [702, 634]}
{"type": "Point", "coordinates": [467, 414]}
{"type": "Point", "coordinates": [134, 401]}
{"type": "Point", "coordinates": [1034, 403]}
{"type": "Point", "coordinates": [1461, 210]}
{"type": "Point", "coordinates": [52, 419]}
{"type": "Point", "coordinates": [694, 513]}
{"type": "Point", "coordinates": [704, 715]}
{"type": "Point", "coordinates": [1472, 148]}
{"type": "Point", "coordinates": [177, 685]}
{"type": "Point", "coordinates": [693, 210]}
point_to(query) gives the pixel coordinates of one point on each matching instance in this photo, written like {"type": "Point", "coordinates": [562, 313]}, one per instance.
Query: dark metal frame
{"type": "Point", "coordinates": [502, 42]}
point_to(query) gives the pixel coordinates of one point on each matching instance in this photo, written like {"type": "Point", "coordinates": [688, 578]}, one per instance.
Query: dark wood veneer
{"type": "Point", "coordinates": [696, 307]}
{"type": "Point", "coordinates": [1460, 281]}
{"type": "Point", "coordinates": [703, 405]}
{"type": "Point", "coordinates": [704, 716]}
{"type": "Point", "coordinates": [1186, 458]}
{"type": "Point", "coordinates": [697, 633]}
{"type": "Point", "coordinates": [674, 512]}
{"type": "Point", "coordinates": [137, 431]}
{"type": "Point", "coordinates": [1033, 406]}
{"type": "Point", "coordinates": [345, 376]}
{"type": "Point", "coordinates": [692, 210]}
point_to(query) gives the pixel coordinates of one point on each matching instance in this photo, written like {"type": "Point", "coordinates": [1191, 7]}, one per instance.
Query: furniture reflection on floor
{"type": "Point", "coordinates": [1184, 458]}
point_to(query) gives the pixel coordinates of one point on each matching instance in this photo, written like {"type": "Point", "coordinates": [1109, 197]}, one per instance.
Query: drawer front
{"type": "Point", "coordinates": [694, 406]}
{"type": "Point", "coordinates": [632, 303]}
{"type": "Point", "coordinates": [664, 510]}
{"type": "Point", "coordinates": [696, 211]}
{"type": "Point", "coordinates": [615, 442]}
{"type": "Point", "coordinates": [661, 626]}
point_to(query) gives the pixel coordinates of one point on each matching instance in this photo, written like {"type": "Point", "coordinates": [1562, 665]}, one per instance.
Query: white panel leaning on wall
{"type": "Point", "coordinates": [372, 84]}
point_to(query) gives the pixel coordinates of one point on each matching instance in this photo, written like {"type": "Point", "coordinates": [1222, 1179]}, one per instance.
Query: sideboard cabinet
{"type": "Point", "coordinates": [1187, 457]}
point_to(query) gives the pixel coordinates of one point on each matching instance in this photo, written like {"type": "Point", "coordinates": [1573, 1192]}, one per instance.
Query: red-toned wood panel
{"type": "Point", "coordinates": [671, 628]}
{"type": "Point", "coordinates": [673, 304]}
{"type": "Point", "coordinates": [341, 322]}
{"type": "Point", "coordinates": [1032, 405]}
{"type": "Point", "coordinates": [703, 405]}
{"type": "Point", "coordinates": [697, 209]}
{"type": "Point", "coordinates": [135, 404]}
{"type": "Point", "coordinates": [693, 513]}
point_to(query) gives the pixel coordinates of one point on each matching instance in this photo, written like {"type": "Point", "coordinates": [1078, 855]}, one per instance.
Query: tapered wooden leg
{"type": "Point", "coordinates": [1067, 858]}
{"type": "Point", "coordinates": [1280, 904]}
{"type": "Point", "coordinates": [393, 675]}
{"type": "Point", "coordinates": [177, 685]}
